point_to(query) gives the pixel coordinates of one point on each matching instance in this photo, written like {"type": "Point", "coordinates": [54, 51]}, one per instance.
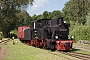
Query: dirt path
{"type": "Point", "coordinates": [3, 51]}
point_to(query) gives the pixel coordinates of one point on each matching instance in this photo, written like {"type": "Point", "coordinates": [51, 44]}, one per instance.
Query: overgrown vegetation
{"type": "Point", "coordinates": [77, 12]}
{"type": "Point", "coordinates": [1, 36]}
{"type": "Point", "coordinates": [80, 31]}
{"type": "Point", "coordinates": [10, 12]}
{"type": "Point", "coordinates": [13, 33]}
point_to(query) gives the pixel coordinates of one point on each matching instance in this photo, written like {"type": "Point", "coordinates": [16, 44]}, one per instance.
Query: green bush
{"type": "Point", "coordinates": [1, 36]}
{"type": "Point", "coordinates": [81, 32]}
{"type": "Point", "coordinates": [13, 33]}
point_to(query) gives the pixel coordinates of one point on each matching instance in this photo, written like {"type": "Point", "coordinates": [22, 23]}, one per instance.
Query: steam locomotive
{"type": "Point", "coordinates": [47, 33]}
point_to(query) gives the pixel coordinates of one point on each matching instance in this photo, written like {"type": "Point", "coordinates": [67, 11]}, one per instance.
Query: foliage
{"type": "Point", "coordinates": [47, 15]}
{"type": "Point", "coordinates": [39, 17]}
{"type": "Point", "coordinates": [77, 13]}
{"type": "Point", "coordinates": [34, 17]}
{"type": "Point", "coordinates": [1, 36]}
{"type": "Point", "coordinates": [81, 32]}
{"type": "Point", "coordinates": [88, 25]}
{"type": "Point", "coordinates": [88, 19]}
{"type": "Point", "coordinates": [56, 14]}
{"type": "Point", "coordinates": [76, 10]}
{"type": "Point", "coordinates": [24, 18]}
{"type": "Point", "coordinates": [8, 11]}
{"type": "Point", "coordinates": [13, 33]}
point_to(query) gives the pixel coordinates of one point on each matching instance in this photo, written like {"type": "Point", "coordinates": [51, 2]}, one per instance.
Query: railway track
{"type": "Point", "coordinates": [78, 55]}
{"type": "Point", "coordinates": [57, 54]}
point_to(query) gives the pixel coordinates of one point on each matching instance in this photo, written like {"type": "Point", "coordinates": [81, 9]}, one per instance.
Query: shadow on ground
{"type": "Point", "coordinates": [73, 50]}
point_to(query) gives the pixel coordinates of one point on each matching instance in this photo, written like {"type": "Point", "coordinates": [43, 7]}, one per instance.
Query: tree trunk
{"type": "Point", "coordinates": [5, 34]}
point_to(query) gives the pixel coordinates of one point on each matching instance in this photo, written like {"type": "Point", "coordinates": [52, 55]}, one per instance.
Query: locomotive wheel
{"type": "Point", "coordinates": [50, 45]}
{"type": "Point", "coordinates": [38, 46]}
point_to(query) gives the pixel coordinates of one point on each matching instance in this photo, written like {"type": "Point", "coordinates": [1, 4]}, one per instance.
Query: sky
{"type": "Point", "coordinates": [39, 6]}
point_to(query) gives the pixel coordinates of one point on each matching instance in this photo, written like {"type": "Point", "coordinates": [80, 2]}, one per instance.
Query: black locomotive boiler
{"type": "Point", "coordinates": [47, 33]}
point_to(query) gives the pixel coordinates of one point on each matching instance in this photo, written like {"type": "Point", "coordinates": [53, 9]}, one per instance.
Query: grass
{"type": "Point", "coordinates": [24, 52]}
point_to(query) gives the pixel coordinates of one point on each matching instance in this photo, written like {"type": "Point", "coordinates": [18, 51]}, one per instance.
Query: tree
{"type": "Point", "coordinates": [76, 10]}
{"type": "Point", "coordinates": [49, 15]}
{"type": "Point", "coordinates": [8, 11]}
{"type": "Point", "coordinates": [88, 19]}
{"type": "Point", "coordinates": [55, 14]}
{"type": "Point", "coordinates": [24, 18]}
{"type": "Point", "coordinates": [45, 14]}
{"type": "Point", "coordinates": [34, 17]}
{"type": "Point", "coordinates": [40, 17]}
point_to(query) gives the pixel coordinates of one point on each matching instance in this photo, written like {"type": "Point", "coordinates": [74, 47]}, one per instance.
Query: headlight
{"type": "Point", "coordinates": [64, 21]}
{"type": "Point", "coordinates": [56, 37]}
{"type": "Point", "coordinates": [72, 37]}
